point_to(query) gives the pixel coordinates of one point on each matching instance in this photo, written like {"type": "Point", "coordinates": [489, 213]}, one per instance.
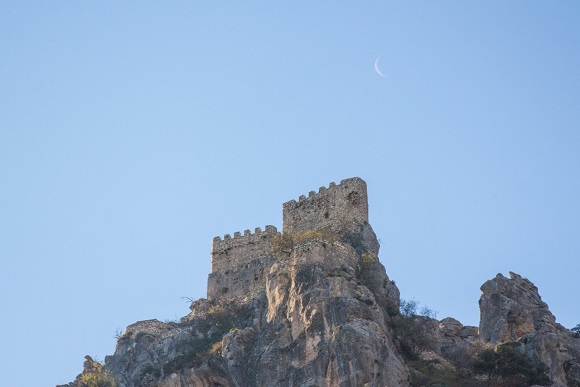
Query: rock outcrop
{"type": "Point", "coordinates": [316, 322]}
{"type": "Point", "coordinates": [512, 310]}
{"type": "Point", "coordinates": [451, 339]}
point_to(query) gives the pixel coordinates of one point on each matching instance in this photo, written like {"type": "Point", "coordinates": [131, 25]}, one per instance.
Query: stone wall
{"type": "Point", "coordinates": [240, 264]}
{"type": "Point", "coordinates": [230, 252]}
{"type": "Point", "coordinates": [239, 281]}
{"type": "Point", "coordinates": [338, 207]}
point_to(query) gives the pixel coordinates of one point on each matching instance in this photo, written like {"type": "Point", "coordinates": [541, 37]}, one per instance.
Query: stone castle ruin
{"type": "Point", "coordinates": [313, 306]}
{"type": "Point", "coordinates": [241, 263]}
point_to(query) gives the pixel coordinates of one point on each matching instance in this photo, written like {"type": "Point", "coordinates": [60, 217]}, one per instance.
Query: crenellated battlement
{"type": "Point", "coordinates": [337, 207]}
{"type": "Point", "coordinates": [241, 248]}
{"type": "Point", "coordinates": [247, 234]}
{"type": "Point", "coordinates": [241, 263]}
{"type": "Point", "coordinates": [312, 194]}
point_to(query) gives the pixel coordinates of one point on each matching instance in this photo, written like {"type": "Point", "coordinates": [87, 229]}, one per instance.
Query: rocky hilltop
{"type": "Point", "coordinates": [313, 306]}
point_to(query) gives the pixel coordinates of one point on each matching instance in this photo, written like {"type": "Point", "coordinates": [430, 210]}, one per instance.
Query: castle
{"type": "Point", "coordinates": [240, 264]}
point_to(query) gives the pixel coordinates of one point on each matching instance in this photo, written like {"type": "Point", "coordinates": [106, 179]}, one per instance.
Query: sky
{"type": "Point", "coordinates": [132, 133]}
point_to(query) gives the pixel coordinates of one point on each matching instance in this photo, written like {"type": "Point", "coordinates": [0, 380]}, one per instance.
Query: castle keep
{"type": "Point", "coordinates": [240, 264]}
{"type": "Point", "coordinates": [338, 207]}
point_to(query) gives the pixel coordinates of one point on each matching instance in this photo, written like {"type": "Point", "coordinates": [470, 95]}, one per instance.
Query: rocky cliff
{"type": "Point", "coordinates": [315, 322]}
{"type": "Point", "coordinates": [513, 311]}
{"type": "Point", "coordinates": [323, 312]}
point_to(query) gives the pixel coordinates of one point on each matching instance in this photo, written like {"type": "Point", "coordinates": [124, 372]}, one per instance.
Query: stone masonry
{"type": "Point", "coordinates": [241, 264]}
{"type": "Point", "coordinates": [338, 207]}
{"type": "Point", "coordinates": [241, 249]}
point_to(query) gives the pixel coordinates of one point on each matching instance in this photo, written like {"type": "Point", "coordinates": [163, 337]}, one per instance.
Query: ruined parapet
{"type": "Point", "coordinates": [238, 263]}
{"type": "Point", "coordinates": [230, 252]}
{"type": "Point", "coordinates": [339, 207]}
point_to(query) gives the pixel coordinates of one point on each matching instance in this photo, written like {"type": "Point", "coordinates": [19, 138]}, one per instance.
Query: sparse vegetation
{"type": "Point", "coordinates": [506, 365]}
{"type": "Point", "coordinates": [222, 318]}
{"type": "Point", "coordinates": [368, 259]}
{"type": "Point", "coordinates": [409, 309]}
{"type": "Point", "coordinates": [194, 357]}
{"type": "Point", "coordinates": [216, 348]}
{"type": "Point", "coordinates": [435, 372]}
{"type": "Point", "coordinates": [228, 315]}
{"type": "Point", "coordinates": [286, 242]}
{"type": "Point", "coordinates": [94, 375]}
{"type": "Point", "coordinates": [476, 365]}
{"type": "Point", "coordinates": [411, 328]}
{"type": "Point", "coordinates": [118, 333]}
{"type": "Point", "coordinates": [576, 331]}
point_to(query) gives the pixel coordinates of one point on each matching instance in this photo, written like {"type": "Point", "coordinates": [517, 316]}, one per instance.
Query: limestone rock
{"type": "Point", "coordinates": [316, 322]}
{"type": "Point", "coordinates": [512, 310]}
{"type": "Point", "coordinates": [94, 373]}
{"type": "Point", "coordinates": [327, 327]}
{"type": "Point", "coordinates": [455, 337]}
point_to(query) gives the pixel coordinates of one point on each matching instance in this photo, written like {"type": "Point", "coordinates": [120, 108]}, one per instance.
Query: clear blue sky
{"type": "Point", "coordinates": [132, 133]}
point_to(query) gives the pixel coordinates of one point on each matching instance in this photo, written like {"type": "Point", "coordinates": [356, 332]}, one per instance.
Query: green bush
{"type": "Point", "coordinates": [435, 373]}
{"type": "Point", "coordinates": [94, 375]}
{"type": "Point", "coordinates": [506, 365]}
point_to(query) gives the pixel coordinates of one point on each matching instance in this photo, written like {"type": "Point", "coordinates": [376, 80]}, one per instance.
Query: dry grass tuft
{"type": "Point", "coordinates": [286, 242]}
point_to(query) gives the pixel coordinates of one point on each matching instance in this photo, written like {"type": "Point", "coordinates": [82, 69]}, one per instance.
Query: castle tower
{"type": "Point", "coordinates": [342, 208]}
{"type": "Point", "coordinates": [241, 264]}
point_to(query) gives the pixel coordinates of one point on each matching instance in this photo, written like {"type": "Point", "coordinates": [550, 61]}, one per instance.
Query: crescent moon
{"type": "Point", "coordinates": [377, 67]}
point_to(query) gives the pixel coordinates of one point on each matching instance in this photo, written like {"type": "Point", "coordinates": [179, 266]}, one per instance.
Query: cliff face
{"type": "Point", "coordinates": [316, 322]}
{"type": "Point", "coordinates": [313, 306]}
{"type": "Point", "coordinates": [512, 310]}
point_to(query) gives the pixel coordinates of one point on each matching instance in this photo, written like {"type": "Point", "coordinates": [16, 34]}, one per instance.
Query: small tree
{"type": "Point", "coordinates": [576, 331]}
{"type": "Point", "coordinates": [409, 308]}
{"type": "Point", "coordinates": [412, 329]}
